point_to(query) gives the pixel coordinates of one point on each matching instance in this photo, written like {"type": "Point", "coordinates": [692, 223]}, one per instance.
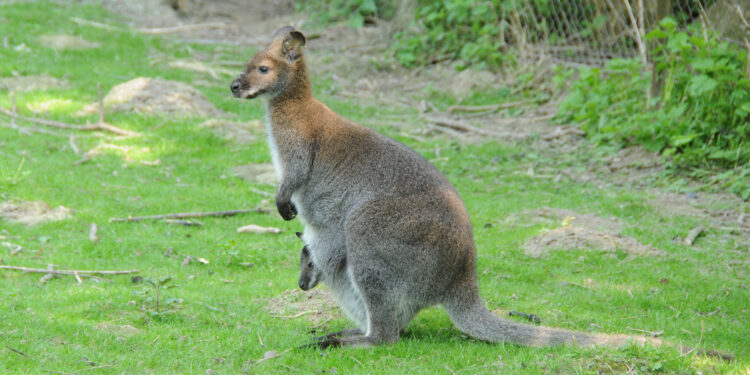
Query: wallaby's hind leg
{"type": "Point", "coordinates": [376, 291]}
{"type": "Point", "coordinates": [382, 326]}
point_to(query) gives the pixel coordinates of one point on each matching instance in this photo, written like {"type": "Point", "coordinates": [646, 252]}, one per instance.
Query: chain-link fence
{"type": "Point", "coordinates": [594, 31]}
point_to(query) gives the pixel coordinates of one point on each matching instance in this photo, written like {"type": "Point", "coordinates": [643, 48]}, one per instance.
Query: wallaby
{"type": "Point", "coordinates": [386, 230]}
{"type": "Point", "coordinates": [309, 275]}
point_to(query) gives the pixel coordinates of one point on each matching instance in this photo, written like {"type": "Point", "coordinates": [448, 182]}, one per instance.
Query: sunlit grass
{"type": "Point", "coordinates": [220, 324]}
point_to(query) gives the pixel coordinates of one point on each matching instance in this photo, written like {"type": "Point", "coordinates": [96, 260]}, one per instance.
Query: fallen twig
{"type": "Point", "coordinates": [485, 108]}
{"type": "Point", "coordinates": [466, 128]}
{"type": "Point", "coordinates": [693, 234]}
{"type": "Point", "coordinates": [187, 223]}
{"type": "Point", "coordinates": [49, 275]}
{"type": "Point", "coordinates": [68, 272]}
{"type": "Point", "coordinates": [93, 237]}
{"type": "Point", "coordinates": [17, 351]}
{"type": "Point", "coordinates": [182, 28]}
{"type": "Point", "coordinates": [650, 333]}
{"type": "Point", "coordinates": [252, 228]}
{"type": "Point", "coordinates": [183, 215]}
{"type": "Point", "coordinates": [62, 125]}
{"type": "Point", "coordinates": [72, 143]}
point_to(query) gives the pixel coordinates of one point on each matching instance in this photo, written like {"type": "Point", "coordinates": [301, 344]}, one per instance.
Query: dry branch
{"type": "Point", "coordinates": [183, 215]}
{"type": "Point", "coordinates": [464, 127]}
{"type": "Point", "coordinates": [485, 108]}
{"type": "Point", "coordinates": [62, 125]}
{"type": "Point", "coordinates": [68, 272]}
{"type": "Point", "coordinates": [93, 237]}
{"type": "Point", "coordinates": [693, 234]}
{"type": "Point", "coordinates": [182, 28]}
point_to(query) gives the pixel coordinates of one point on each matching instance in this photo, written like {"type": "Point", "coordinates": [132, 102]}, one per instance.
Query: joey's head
{"type": "Point", "coordinates": [279, 69]}
{"type": "Point", "coordinates": [309, 275]}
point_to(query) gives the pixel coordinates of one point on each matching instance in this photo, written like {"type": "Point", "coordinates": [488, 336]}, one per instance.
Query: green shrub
{"type": "Point", "coordinates": [700, 121]}
{"type": "Point", "coordinates": [353, 11]}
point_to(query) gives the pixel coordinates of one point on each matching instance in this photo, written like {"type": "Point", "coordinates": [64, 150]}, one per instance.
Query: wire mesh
{"type": "Point", "coordinates": [592, 32]}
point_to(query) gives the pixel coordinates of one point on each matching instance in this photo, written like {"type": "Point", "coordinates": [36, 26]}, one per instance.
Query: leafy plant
{"type": "Point", "coordinates": [702, 119]}
{"type": "Point", "coordinates": [157, 287]}
{"type": "Point", "coordinates": [355, 12]}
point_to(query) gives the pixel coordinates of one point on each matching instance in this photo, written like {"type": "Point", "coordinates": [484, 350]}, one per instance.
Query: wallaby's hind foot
{"type": "Point", "coordinates": [340, 334]}
{"type": "Point", "coordinates": [357, 341]}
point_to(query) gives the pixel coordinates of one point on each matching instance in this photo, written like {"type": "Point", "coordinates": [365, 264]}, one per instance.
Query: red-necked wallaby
{"type": "Point", "coordinates": [387, 231]}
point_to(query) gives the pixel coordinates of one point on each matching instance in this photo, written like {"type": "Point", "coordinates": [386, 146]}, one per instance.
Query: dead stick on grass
{"type": "Point", "coordinates": [182, 28]}
{"type": "Point", "coordinates": [650, 333]}
{"type": "Point", "coordinates": [94, 229]}
{"type": "Point", "coordinates": [17, 351]}
{"type": "Point", "coordinates": [183, 215]}
{"type": "Point", "coordinates": [68, 272]}
{"type": "Point", "coordinates": [62, 125]}
{"type": "Point", "coordinates": [72, 143]}
{"type": "Point", "coordinates": [693, 234]}
{"type": "Point", "coordinates": [485, 108]}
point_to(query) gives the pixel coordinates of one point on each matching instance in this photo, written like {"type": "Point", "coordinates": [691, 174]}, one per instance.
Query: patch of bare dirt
{"type": "Point", "coordinates": [117, 329]}
{"type": "Point", "coordinates": [157, 96]}
{"type": "Point", "coordinates": [316, 305]}
{"type": "Point", "coordinates": [61, 42]}
{"type": "Point", "coordinates": [233, 21]}
{"type": "Point", "coordinates": [238, 132]}
{"type": "Point", "coordinates": [31, 83]}
{"type": "Point", "coordinates": [257, 173]}
{"type": "Point", "coordinates": [32, 213]}
{"type": "Point", "coordinates": [720, 210]}
{"type": "Point", "coordinates": [579, 231]}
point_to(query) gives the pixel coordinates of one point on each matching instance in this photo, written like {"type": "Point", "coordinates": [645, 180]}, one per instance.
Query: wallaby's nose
{"type": "Point", "coordinates": [302, 285]}
{"type": "Point", "coordinates": [235, 85]}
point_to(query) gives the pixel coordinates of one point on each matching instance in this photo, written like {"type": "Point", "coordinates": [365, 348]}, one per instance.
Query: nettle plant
{"type": "Point", "coordinates": [702, 119]}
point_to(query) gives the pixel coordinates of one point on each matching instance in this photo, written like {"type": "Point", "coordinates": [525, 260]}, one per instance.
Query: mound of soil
{"type": "Point", "coordinates": [238, 132]}
{"type": "Point", "coordinates": [578, 231]}
{"type": "Point", "coordinates": [316, 305]}
{"type": "Point", "coordinates": [30, 83]}
{"type": "Point", "coordinates": [257, 173]}
{"type": "Point", "coordinates": [61, 42]}
{"type": "Point", "coordinates": [157, 96]}
{"type": "Point", "coordinates": [32, 213]}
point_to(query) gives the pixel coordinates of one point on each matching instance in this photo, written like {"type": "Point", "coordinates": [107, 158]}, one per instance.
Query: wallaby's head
{"type": "Point", "coordinates": [275, 70]}
{"type": "Point", "coordinates": [309, 276]}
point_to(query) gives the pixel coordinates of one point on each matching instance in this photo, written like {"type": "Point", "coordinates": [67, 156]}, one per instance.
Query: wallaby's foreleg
{"type": "Point", "coordinates": [296, 171]}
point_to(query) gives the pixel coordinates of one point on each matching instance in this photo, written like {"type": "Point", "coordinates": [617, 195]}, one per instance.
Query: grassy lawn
{"type": "Point", "coordinates": [213, 318]}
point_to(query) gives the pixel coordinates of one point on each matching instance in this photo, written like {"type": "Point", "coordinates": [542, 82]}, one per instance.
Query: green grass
{"type": "Point", "coordinates": [220, 322]}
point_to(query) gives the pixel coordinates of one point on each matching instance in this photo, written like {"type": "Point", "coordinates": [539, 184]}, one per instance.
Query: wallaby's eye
{"type": "Point", "coordinates": [263, 69]}
{"type": "Point", "coordinates": [310, 265]}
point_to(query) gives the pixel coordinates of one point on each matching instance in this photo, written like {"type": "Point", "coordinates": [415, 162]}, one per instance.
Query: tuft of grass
{"type": "Point", "coordinates": [217, 319]}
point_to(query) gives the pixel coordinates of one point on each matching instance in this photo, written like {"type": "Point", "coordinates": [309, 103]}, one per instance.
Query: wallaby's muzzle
{"type": "Point", "coordinates": [236, 85]}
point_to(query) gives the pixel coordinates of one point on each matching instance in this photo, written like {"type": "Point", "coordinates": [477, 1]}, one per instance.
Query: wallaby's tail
{"type": "Point", "coordinates": [472, 317]}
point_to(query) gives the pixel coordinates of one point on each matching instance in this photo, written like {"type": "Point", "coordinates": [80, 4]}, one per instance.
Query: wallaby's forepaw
{"type": "Point", "coordinates": [286, 210]}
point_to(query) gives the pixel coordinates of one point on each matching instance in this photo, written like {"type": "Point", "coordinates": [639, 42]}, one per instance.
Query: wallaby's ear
{"type": "Point", "coordinates": [299, 234]}
{"type": "Point", "coordinates": [283, 32]}
{"type": "Point", "coordinates": [292, 46]}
